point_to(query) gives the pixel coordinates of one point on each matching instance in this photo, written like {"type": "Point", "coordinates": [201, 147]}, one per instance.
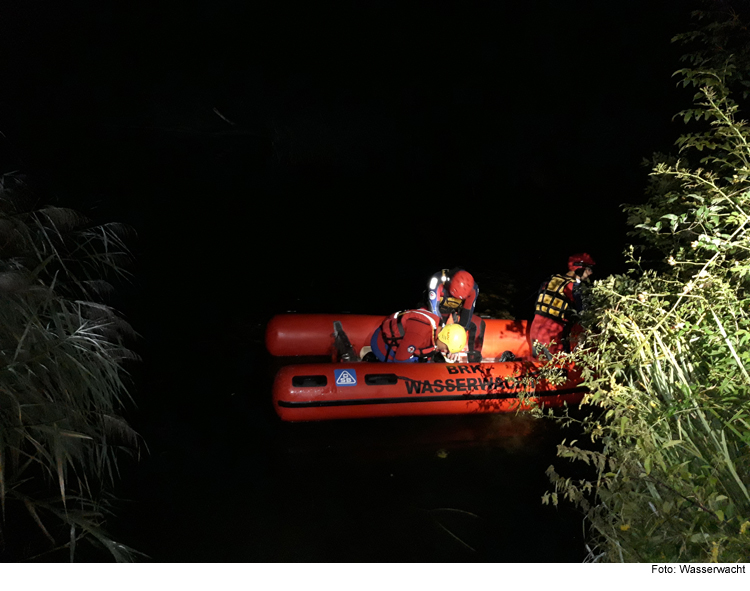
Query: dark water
{"type": "Point", "coordinates": [233, 221]}
{"type": "Point", "coordinates": [227, 481]}
{"type": "Point", "coordinates": [224, 479]}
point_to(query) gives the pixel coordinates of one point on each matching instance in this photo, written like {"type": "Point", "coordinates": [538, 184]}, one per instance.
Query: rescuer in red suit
{"type": "Point", "coordinates": [452, 295]}
{"type": "Point", "coordinates": [557, 306]}
{"type": "Point", "coordinates": [415, 336]}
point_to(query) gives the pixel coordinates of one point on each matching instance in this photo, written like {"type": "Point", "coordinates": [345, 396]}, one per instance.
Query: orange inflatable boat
{"type": "Point", "coordinates": [323, 391]}
{"type": "Point", "coordinates": [312, 334]}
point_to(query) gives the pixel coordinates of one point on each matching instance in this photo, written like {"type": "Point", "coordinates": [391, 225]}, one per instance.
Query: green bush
{"type": "Point", "coordinates": [666, 352]}
{"type": "Point", "coordinates": [61, 377]}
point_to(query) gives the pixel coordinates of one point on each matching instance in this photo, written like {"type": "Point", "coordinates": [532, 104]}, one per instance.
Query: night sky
{"type": "Point", "coordinates": [329, 157]}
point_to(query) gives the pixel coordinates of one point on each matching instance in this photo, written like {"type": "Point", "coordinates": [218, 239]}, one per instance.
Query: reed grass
{"type": "Point", "coordinates": [62, 378]}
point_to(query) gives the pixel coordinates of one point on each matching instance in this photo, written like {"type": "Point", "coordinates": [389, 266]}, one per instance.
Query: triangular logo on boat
{"type": "Point", "coordinates": [345, 377]}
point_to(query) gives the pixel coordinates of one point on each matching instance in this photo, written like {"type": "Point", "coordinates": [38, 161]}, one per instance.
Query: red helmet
{"type": "Point", "coordinates": [461, 285]}
{"type": "Point", "coordinates": [577, 261]}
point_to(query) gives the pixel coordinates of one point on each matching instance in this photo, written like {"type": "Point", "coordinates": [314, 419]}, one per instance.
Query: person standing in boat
{"type": "Point", "coordinates": [452, 295]}
{"type": "Point", "coordinates": [557, 307]}
{"type": "Point", "coordinates": [416, 336]}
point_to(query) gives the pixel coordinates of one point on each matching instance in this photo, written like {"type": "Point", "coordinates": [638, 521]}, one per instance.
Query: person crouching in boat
{"type": "Point", "coordinates": [452, 295]}
{"type": "Point", "coordinates": [557, 307]}
{"type": "Point", "coordinates": [416, 336]}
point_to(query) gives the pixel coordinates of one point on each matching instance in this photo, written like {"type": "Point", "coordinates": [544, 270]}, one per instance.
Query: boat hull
{"type": "Point", "coordinates": [316, 392]}
{"type": "Point", "coordinates": [312, 335]}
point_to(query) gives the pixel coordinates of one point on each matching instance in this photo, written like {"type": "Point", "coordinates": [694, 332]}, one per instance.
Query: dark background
{"type": "Point", "coordinates": [324, 157]}
{"type": "Point", "coordinates": [373, 142]}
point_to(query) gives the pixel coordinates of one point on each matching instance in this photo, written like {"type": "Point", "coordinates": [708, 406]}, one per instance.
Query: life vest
{"type": "Point", "coordinates": [442, 303]}
{"type": "Point", "coordinates": [392, 330]}
{"type": "Point", "coordinates": [552, 301]}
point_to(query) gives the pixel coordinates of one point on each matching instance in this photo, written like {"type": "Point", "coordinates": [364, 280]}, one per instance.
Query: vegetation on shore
{"type": "Point", "coordinates": [667, 352]}
{"type": "Point", "coordinates": [61, 378]}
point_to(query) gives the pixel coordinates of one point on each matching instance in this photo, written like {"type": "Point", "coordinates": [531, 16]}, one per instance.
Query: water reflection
{"type": "Point", "coordinates": [249, 488]}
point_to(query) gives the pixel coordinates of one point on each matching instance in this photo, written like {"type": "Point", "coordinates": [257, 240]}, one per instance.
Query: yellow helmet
{"type": "Point", "coordinates": [454, 336]}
